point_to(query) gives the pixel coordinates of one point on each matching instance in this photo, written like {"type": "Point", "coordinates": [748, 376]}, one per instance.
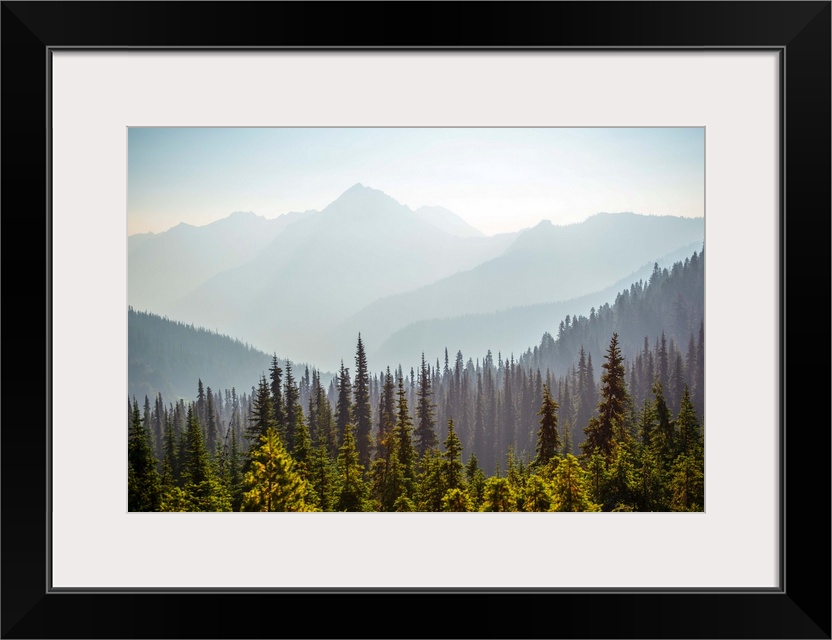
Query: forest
{"type": "Point", "coordinates": [605, 415]}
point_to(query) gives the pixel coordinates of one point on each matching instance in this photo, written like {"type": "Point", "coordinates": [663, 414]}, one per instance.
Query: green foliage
{"type": "Point", "coordinates": [323, 478]}
{"type": "Point", "coordinates": [475, 477]}
{"type": "Point", "coordinates": [610, 425]}
{"type": "Point", "coordinates": [262, 414]}
{"type": "Point", "coordinates": [361, 411]}
{"type": "Point", "coordinates": [687, 428]}
{"type": "Point", "coordinates": [406, 452]}
{"type": "Point", "coordinates": [687, 484]}
{"type": "Point", "coordinates": [425, 431]}
{"type": "Point", "coordinates": [353, 494]}
{"type": "Point", "coordinates": [537, 494]}
{"type": "Point", "coordinates": [548, 442]}
{"type": "Point", "coordinates": [272, 482]}
{"type": "Point", "coordinates": [431, 483]}
{"type": "Point", "coordinates": [386, 414]}
{"type": "Point", "coordinates": [143, 483]}
{"type": "Point", "coordinates": [663, 439]}
{"type": "Point", "coordinates": [621, 486]}
{"type": "Point", "coordinates": [497, 495]}
{"type": "Point", "coordinates": [570, 490]}
{"type": "Point", "coordinates": [456, 500]}
{"type": "Point", "coordinates": [453, 459]}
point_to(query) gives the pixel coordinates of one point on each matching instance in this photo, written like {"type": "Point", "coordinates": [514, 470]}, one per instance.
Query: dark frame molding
{"type": "Point", "coordinates": [800, 31]}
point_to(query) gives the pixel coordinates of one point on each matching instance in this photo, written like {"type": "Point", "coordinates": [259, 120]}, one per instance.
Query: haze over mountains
{"type": "Point", "coordinates": [304, 284]}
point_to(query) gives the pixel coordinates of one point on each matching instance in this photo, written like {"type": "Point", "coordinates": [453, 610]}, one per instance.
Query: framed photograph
{"type": "Point", "coordinates": [113, 108]}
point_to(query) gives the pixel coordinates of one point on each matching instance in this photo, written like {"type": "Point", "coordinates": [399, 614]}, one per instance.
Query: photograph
{"type": "Point", "coordinates": [416, 319]}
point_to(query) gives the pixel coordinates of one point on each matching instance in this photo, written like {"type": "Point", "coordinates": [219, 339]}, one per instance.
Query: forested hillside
{"type": "Point", "coordinates": [606, 415]}
{"type": "Point", "coordinates": [168, 357]}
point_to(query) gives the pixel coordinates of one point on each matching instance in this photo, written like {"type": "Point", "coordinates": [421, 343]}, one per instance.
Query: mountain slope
{"type": "Point", "coordinates": [320, 270]}
{"type": "Point", "coordinates": [508, 331]}
{"type": "Point", "coordinates": [544, 264]}
{"type": "Point", "coordinates": [163, 267]}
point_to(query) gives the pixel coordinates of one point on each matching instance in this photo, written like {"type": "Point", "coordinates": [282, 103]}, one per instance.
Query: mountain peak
{"type": "Point", "coordinates": [362, 198]}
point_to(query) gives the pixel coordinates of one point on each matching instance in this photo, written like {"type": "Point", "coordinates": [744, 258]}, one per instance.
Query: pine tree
{"type": "Point", "coordinates": [453, 459]}
{"type": "Point", "coordinates": [406, 452]}
{"type": "Point", "coordinates": [548, 442]}
{"type": "Point", "coordinates": [687, 484]}
{"type": "Point", "coordinates": [293, 410]}
{"type": "Point", "coordinates": [426, 430]}
{"type": "Point", "coordinates": [602, 432]}
{"type": "Point", "coordinates": [273, 483]}
{"type": "Point", "coordinates": [498, 495]}
{"type": "Point", "coordinates": [353, 494]}
{"type": "Point", "coordinates": [687, 428]}
{"type": "Point", "coordinates": [212, 430]}
{"type": "Point", "coordinates": [475, 478]}
{"type": "Point", "coordinates": [386, 414]}
{"type": "Point", "coordinates": [323, 478]}
{"type": "Point", "coordinates": [143, 483]}
{"type": "Point", "coordinates": [663, 439]}
{"type": "Point", "coordinates": [235, 473]}
{"type": "Point", "coordinates": [431, 486]}
{"type": "Point", "coordinates": [343, 408]}
{"type": "Point", "coordinates": [361, 410]}
{"type": "Point", "coordinates": [275, 386]}
{"type": "Point", "coordinates": [536, 495]}
{"type": "Point", "coordinates": [570, 487]}
{"type": "Point", "coordinates": [262, 414]}
{"type": "Point", "coordinates": [202, 490]}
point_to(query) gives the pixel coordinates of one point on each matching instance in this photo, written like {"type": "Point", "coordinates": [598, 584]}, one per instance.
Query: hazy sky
{"type": "Point", "coordinates": [497, 179]}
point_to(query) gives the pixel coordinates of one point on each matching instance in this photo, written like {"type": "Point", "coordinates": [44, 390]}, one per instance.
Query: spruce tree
{"type": "Point", "coordinates": [426, 430]}
{"type": "Point", "coordinates": [273, 483]}
{"type": "Point", "coordinates": [343, 408]}
{"type": "Point", "coordinates": [143, 484]}
{"type": "Point", "coordinates": [353, 494]}
{"type": "Point", "coordinates": [663, 438]}
{"type": "Point", "coordinates": [602, 432]}
{"type": "Point", "coordinates": [275, 386]}
{"type": "Point", "coordinates": [687, 428]}
{"type": "Point", "coordinates": [548, 441]}
{"type": "Point", "coordinates": [293, 410]}
{"type": "Point", "coordinates": [262, 414]}
{"type": "Point", "coordinates": [404, 439]}
{"type": "Point", "coordinates": [570, 487]}
{"type": "Point", "coordinates": [361, 411]}
{"type": "Point", "coordinates": [386, 414]}
{"type": "Point", "coordinates": [453, 459]}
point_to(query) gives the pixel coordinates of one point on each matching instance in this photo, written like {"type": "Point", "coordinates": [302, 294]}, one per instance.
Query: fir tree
{"type": "Point", "coordinates": [603, 431]}
{"type": "Point", "coordinates": [404, 440]}
{"type": "Point", "coordinates": [143, 484]}
{"type": "Point", "coordinates": [353, 494]}
{"type": "Point", "coordinates": [570, 487]}
{"type": "Point", "coordinates": [343, 408]}
{"type": "Point", "coordinates": [275, 387]}
{"type": "Point", "coordinates": [453, 459]}
{"type": "Point", "coordinates": [361, 407]}
{"type": "Point", "coordinates": [425, 431]}
{"type": "Point", "coordinates": [293, 410]}
{"type": "Point", "coordinates": [386, 414]}
{"type": "Point", "coordinates": [548, 442]}
{"type": "Point", "coordinates": [273, 483]}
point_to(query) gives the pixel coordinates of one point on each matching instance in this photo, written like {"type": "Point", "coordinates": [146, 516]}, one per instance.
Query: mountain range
{"type": "Point", "coordinates": [306, 283]}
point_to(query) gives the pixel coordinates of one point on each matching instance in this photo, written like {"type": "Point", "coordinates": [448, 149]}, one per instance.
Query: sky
{"type": "Point", "coordinates": [496, 179]}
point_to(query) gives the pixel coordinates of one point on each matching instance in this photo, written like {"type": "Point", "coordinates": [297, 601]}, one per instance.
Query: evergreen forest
{"type": "Point", "coordinates": [605, 414]}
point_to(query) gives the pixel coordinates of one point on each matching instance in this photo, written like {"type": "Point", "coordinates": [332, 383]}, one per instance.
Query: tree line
{"type": "Point", "coordinates": [484, 435]}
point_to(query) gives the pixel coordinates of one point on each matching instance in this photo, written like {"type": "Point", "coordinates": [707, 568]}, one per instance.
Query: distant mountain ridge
{"type": "Point", "coordinates": [163, 267]}
{"type": "Point", "coordinates": [366, 263]}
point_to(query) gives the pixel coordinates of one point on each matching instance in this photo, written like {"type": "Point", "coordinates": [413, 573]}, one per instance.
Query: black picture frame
{"type": "Point", "coordinates": [800, 31]}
